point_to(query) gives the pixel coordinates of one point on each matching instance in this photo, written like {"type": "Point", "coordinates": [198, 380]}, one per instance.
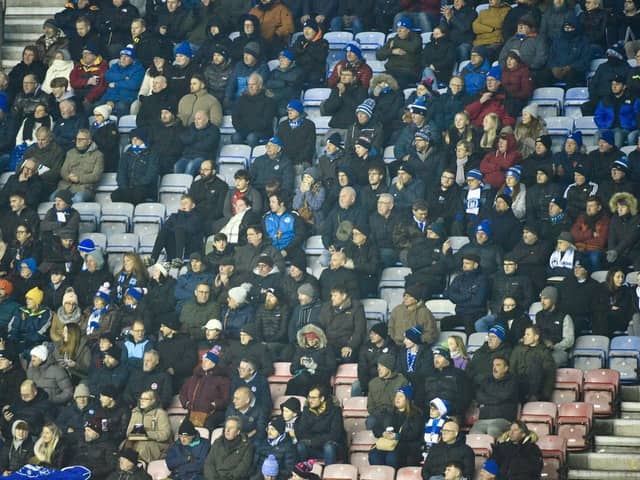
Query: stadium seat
{"type": "Point", "coordinates": [275, 411]}
{"type": "Point", "coordinates": [409, 473]}
{"type": "Point", "coordinates": [594, 66]}
{"type": "Point", "coordinates": [393, 296]}
{"type": "Point", "coordinates": [388, 156]}
{"type": "Point", "coordinates": [475, 341]}
{"type": "Point", "coordinates": [393, 277]}
{"type": "Point", "coordinates": [278, 381]}
{"type": "Point", "coordinates": [116, 218]}
{"type": "Point", "coordinates": [573, 98]}
{"type": "Point", "coordinates": [237, 154]}
{"type": "Point", "coordinates": [457, 242]}
{"type": "Point", "coordinates": [148, 218]}
{"type": "Point", "coordinates": [461, 65]}
{"type": "Point", "coordinates": [314, 246]}
{"type": "Point", "coordinates": [628, 149]}
{"type": "Point", "coordinates": [482, 444]}
{"type": "Point", "coordinates": [569, 379]}
{"type": "Point", "coordinates": [339, 471]}
{"type": "Point", "coordinates": [574, 424]}
{"type": "Point", "coordinates": [535, 414]}
{"type": "Point", "coordinates": [426, 37]}
{"type": "Point", "coordinates": [122, 243]}
{"type": "Point", "coordinates": [549, 101]}
{"type": "Point", "coordinates": [377, 66]}
{"type": "Point", "coordinates": [375, 309]}
{"type": "Point", "coordinates": [359, 459]}
{"type": "Point", "coordinates": [558, 128]}
{"type": "Point", "coordinates": [107, 183]}
{"type": "Point", "coordinates": [354, 407]}
{"type": "Point", "coordinates": [444, 336]}
{"type": "Point", "coordinates": [43, 208]}
{"type": "Point", "coordinates": [146, 244]}
{"type": "Point", "coordinates": [346, 374]}
{"type": "Point", "coordinates": [599, 276]}
{"type": "Point", "coordinates": [175, 421]}
{"type": "Point", "coordinates": [632, 278]}
{"type": "Point", "coordinates": [257, 151]}
{"type": "Point", "coordinates": [4, 178]}
{"type": "Point", "coordinates": [126, 123]}
{"type": "Point", "coordinates": [408, 92]}
{"type": "Point", "coordinates": [377, 472]}
{"type": "Point", "coordinates": [554, 451]}
{"type": "Point", "coordinates": [273, 64]}
{"type": "Point", "coordinates": [370, 40]}
{"type": "Point", "coordinates": [226, 130]}
{"type": "Point", "coordinates": [89, 215]}
{"type": "Point", "coordinates": [338, 40]}
{"type": "Point", "coordinates": [362, 441]}
{"type": "Point", "coordinates": [590, 351]}
{"type": "Point", "coordinates": [216, 434]}
{"type": "Point", "coordinates": [481, 7]}
{"type": "Point", "coordinates": [624, 356]}
{"type": "Point", "coordinates": [601, 389]}
{"type": "Point", "coordinates": [588, 127]}
{"type": "Point", "coordinates": [313, 97]}
{"type": "Point", "coordinates": [441, 308]}
{"type": "Point", "coordinates": [99, 239]}
{"type": "Point", "coordinates": [158, 470]}
{"type": "Point", "coordinates": [172, 187]}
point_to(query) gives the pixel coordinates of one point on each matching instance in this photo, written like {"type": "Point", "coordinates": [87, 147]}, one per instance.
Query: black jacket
{"type": "Point", "coordinates": [209, 194]}
{"type": "Point", "coordinates": [151, 106]}
{"type": "Point", "coordinates": [453, 385]}
{"type": "Point", "coordinates": [498, 398]}
{"type": "Point", "coordinates": [99, 456]}
{"type": "Point", "coordinates": [299, 143]}
{"type": "Point", "coordinates": [442, 453]}
{"type": "Point", "coordinates": [342, 108]}
{"type": "Point", "coordinates": [316, 429]}
{"type": "Point", "coordinates": [180, 353]}
{"type": "Point", "coordinates": [518, 461]}
{"type": "Point", "coordinates": [481, 364]}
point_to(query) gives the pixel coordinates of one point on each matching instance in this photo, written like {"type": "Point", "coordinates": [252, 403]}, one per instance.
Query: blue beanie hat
{"type": "Point", "coordinates": [407, 390]}
{"type": "Point", "coordinates": [607, 136]}
{"type": "Point", "coordinates": [210, 355]}
{"type": "Point", "coordinates": [270, 467]}
{"type": "Point", "coordinates": [353, 48]}
{"type": "Point", "coordinates": [491, 467]}
{"type": "Point", "coordinates": [4, 104]}
{"type": "Point", "coordinates": [128, 51]}
{"type": "Point", "coordinates": [515, 172]}
{"type": "Point", "coordinates": [414, 334]}
{"type": "Point", "coordinates": [104, 292]}
{"type": "Point", "coordinates": [404, 22]}
{"type": "Point", "coordinates": [296, 105]}
{"type": "Point", "coordinates": [621, 164]}
{"type": "Point", "coordinates": [475, 173]}
{"type": "Point", "coordinates": [576, 137]}
{"type": "Point", "coordinates": [275, 141]}
{"type": "Point", "coordinates": [287, 54]}
{"type": "Point", "coordinates": [367, 107]}
{"type": "Point", "coordinates": [136, 293]}
{"type": "Point", "coordinates": [495, 72]}
{"type": "Point", "coordinates": [498, 331]}
{"type": "Point", "coordinates": [86, 246]}
{"type": "Point", "coordinates": [30, 263]}
{"type": "Point", "coordinates": [184, 48]}
{"type": "Point", "coordinates": [484, 226]}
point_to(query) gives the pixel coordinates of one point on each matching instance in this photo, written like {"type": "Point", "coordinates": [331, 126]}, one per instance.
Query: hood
{"type": "Point", "coordinates": [214, 23]}
{"type": "Point", "coordinates": [383, 77]}
{"type": "Point", "coordinates": [512, 143]}
{"type": "Point", "coordinates": [256, 25]}
{"type": "Point", "coordinates": [311, 328]}
{"type": "Point", "coordinates": [628, 198]}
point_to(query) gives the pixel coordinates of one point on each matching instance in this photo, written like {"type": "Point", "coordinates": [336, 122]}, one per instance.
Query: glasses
{"type": "Point", "coordinates": [459, 85]}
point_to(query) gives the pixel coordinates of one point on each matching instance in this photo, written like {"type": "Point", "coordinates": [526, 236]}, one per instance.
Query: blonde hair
{"type": "Point", "coordinates": [44, 451]}
{"type": "Point", "coordinates": [457, 339]}
{"type": "Point", "coordinates": [488, 139]}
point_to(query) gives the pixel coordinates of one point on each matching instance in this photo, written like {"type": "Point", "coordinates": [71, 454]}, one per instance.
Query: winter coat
{"type": "Point", "coordinates": [303, 315]}
{"type": "Point", "coordinates": [264, 169]}
{"type": "Point", "coordinates": [419, 373]}
{"type": "Point", "coordinates": [381, 393]}
{"type": "Point", "coordinates": [200, 142]}
{"type": "Point", "coordinates": [311, 57]}
{"type": "Point", "coordinates": [178, 352]}
{"type": "Point", "coordinates": [532, 48]}
{"type": "Point", "coordinates": [461, 25]}
{"type": "Point", "coordinates": [594, 24]}
{"type": "Point", "coordinates": [246, 256]}
{"type": "Point", "coordinates": [518, 83]}
{"type": "Point", "coordinates": [82, 358]}
{"type": "Point", "coordinates": [139, 170]}
{"type": "Point", "coordinates": [299, 143]}
{"type": "Point", "coordinates": [155, 422]}
{"type": "Point", "coordinates": [88, 167]}
{"type": "Point", "coordinates": [107, 139]}
{"type": "Point", "coordinates": [30, 328]}
{"type": "Point", "coordinates": [498, 398]}
{"type": "Point", "coordinates": [342, 108]}
{"type": "Point", "coordinates": [237, 84]}
{"type": "Point", "coordinates": [584, 236]}
{"type": "Point", "coordinates": [600, 84]}
{"type": "Point", "coordinates": [323, 357]}
{"type": "Point", "coordinates": [345, 326]}
{"type": "Point", "coordinates": [57, 68]}
{"type": "Point", "coordinates": [100, 377]}
{"type": "Point", "coordinates": [488, 25]}
{"type": "Point", "coordinates": [389, 106]}
{"type": "Point", "coordinates": [576, 196]}
{"type": "Point", "coordinates": [443, 453]}
{"type": "Point", "coordinates": [81, 74]}
{"type": "Point", "coordinates": [204, 387]}
{"type": "Point", "coordinates": [535, 369]}
{"type": "Point", "coordinates": [496, 104]}
{"type": "Point", "coordinates": [187, 283]}
{"type": "Point", "coordinates": [469, 291]}
{"type": "Point", "coordinates": [141, 381]}
{"type": "Point", "coordinates": [187, 462]}
{"type": "Point", "coordinates": [570, 49]}
{"type": "Point", "coordinates": [194, 315]}
{"type": "Point", "coordinates": [441, 53]}
{"type": "Point", "coordinates": [165, 140]}
{"type": "Point", "coordinates": [453, 385]}
{"type": "Point", "coordinates": [406, 64]}
{"type": "Point", "coordinates": [272, 324]}
{"type": "Point", "coordinates": [229, 460]}
{"type": "Point", "coordinates": [495, 164]}
{"type": "Point", "coordinates": [194, 102]}
{"type": "Point", "coordinates": [233, 319]}
{"type": "Point", "coordinates": [245, 118]}
{"type": "Point", "coordinates": [318, 428]}
{"type": "Point", "coordinates": [275, 21]}
{"type": "Point", "coordinates": [285, 85]}
{"type": "Point", "coordinates": [621, 112]}
{"type": "Point", "coordinates": [363, 72]}
{"type": "Point", "coordinates": [109, 322]}
{"type": "Point", "coordinates": [127, 82]}
{"type": "Point", "coordinates": [217, 78]}
{"type": "Point", "coordinates": [12, 458]}
{"type": "Point", "coordinates": [624, 231]}
{"type": "Point", "coordinates": [402, 319]}
{"type": "Point", "coordinates": [284, 453]}
{"type": "Point", "coordinates": [35, 412]}
{"type": "Point", "coordinates": [481, 364]}
{"type": "Point", "coordinates": [53, 379]}
{"type": "Point", "coordinates": [10, 380]}
{"type": "Point", "coordinates": [71, 416]}
{"type": "Point", "coordinates": [97, 455]}
{"type": "Point", "coordinates": [518, 461]}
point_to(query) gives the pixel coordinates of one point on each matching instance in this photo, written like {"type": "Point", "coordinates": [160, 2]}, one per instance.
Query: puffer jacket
{"type": "Point", "coordinates": [237, 83]}
{"type": "Point", "coordinates": [13, 458]}
{"type": "Point", "coordinates": [481, 364]}
{"type": "Point", "coordinates": [187, 283]}
{"type": "Point", "coordinates": [53, 379]}
{"type": "Point", "coordinates": [138, 170]}
{"type": "Point", "coordinates": [475, 77]}
{"type": "Point", "coordinates": [532, 48]}
{"type": "Point", "coordinates": [345, 326]}
{"type": "Point", "coordinates": [517, 83]}
{"type": "Point", "coordinates": [453, 385]}
{"type": "Point", "coordinates": [233, 319]}
{"type": "Point", "coordinates": [389, 104]}
{"type": "Point", "coordinates": [30, 328]}
{"type": "Point", "coordinates": [624, 232]}
{"type": "Point", "coordinates": [408, 63]}
{"type": "Point", "coordinates": [324, 357]}
{"type": "Point", "coordinates": [488, 25]}
{"type": "Point", "coordinates": [613, 112]}
{"type": "Point", "coordinates": [244, 116]}
{"type": "Point", "coordinates": [127, 79]}
{"type": "Point", "coordinates": [217, 78]}
{"type": "Point", "coordinates": [25, 104]}
{"type": "Point", "coordinates": [200, 142]}
{"type": "Point", "coordinates": [88, 166]}
{"type": "Point", "coordinates": [495, 164]}
{"type": "Point", "coordinates": [272, 324]}
{"type": "Point", "coordinates": [285, 84]}
{"type": "Point", "coordinates": [275, 21]}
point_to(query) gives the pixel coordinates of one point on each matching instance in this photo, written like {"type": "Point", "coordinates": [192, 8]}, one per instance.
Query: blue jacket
{"type": "Point", "coordinates": [233, 319]}
{"type": "Point", "coordinates": [132, 353]}
{"type": "Point", "coordinates": [612, 112]}
{"type": "Point", "coordinates": [265, 169]}
{"type": "Point", "coordinates": [239, 79]}
{"type": "Point", "coordinates": [469, 291]}
{"type": "Point", "coordinates": [28, 329]}
{"type": "Point", "coordinates": [475, 78]}
{"type": "Point", "coordinates": [127, 80]}
{"type": "Point", "coordinates": [186, 284]}
{"type": "Point", "coordinates": [281, 229]}
{"type": "Point", "coordinates": [187, 462]}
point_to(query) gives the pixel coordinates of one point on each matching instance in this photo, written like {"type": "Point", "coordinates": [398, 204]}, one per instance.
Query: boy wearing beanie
{"type": "Point", "coordinates": [30, 326]}
{"type": "Point", "coordinates": [378, 344]}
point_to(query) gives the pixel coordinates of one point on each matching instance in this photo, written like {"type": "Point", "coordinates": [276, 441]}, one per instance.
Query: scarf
{"type": "Point", "coordinates": [122, 278]}
{"type": "Point", "coordinates": [320, 410]}
{"type": "Point", "coordinates": [30, 124]}
{"type": "Point", "coordinates": [460, 174]}
{"type": "Point", "coordinates": [411, 360]}
{"type": "Point", "coordinates": [562, 260]}
{"type": "Point", "coordinates": [557, 219]}
{"type": "Point", "coordinates": [232, 227]}
{"type": "Point", "coordinates": [473, 201]}
{"type": "Point", "coordinates": [94, 319]}
{"type": "Point", "coordinates": [137, 149]}
{"type": "Point", "coordinates": [275, 441]}
{"type": "Point", "coordinates": [432, 431]}
{"type": "Point", "coordinates": [97, 125]}
{"type": "Point", "coordinates": [295, 123]}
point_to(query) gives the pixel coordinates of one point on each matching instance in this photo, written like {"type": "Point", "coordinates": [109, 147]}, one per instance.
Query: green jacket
{"type": "Point", "coordinates": [535, 369]}
{"type": "Point", "coordinates": [382, 392]}
{"type": "Point", "coordinates": [229, 460]}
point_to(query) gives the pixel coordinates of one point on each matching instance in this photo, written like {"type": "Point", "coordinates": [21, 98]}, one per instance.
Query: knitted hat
{"type": "Point", "coordinates": [404, 22]}
{"type": "Point", "coordinates": [490, 466]}
{"type": "Point", "coordinates": [213, 324]}
{"type": "Point", "coordinates": [220, 50]}
{"type": "Point", "coordinates": [559, 201]}
{"type": "Point", "coordinates": [249, 329]}
{"type": "Point", "coordinates": [65, 195]}
{"type": "Point", "coordinates": [424, 133]}
{"type": "Point", "coordinates": [335, 139]}
{"type": "Point", "coordinates": [387, 360]}
{"type": "Point", "coordinates": [475, 173]}
{"type": "Point", "coordinates": [239, 294]}
{"type": "Point", "coordinates": [296, 105]}
{"type": "Point", "coordinates": [91, 47]}
{"type": "Point", "coordinates": [484, 226]}
{"type": "Point", "coordinates": [265, 260]}
{"type": "Point", "coordinates": [515, 172]}
{"type": "Point", "coordinates": [353, 48]}
{"type": "Point", "coordinates": [441, 405]}
{"type": "Point", "coordinates": [275, 141]}
{"type": "Point", "coordinates": [104, 110]}
{"type": "Point", "coordinates": [418, 108]}
{"type": "Point", "coordinates": [380, 328]}
{"type": "Point", "coordinates": [551, 293]}
{"type": "Point", "coordinates": [270, 467]}
{"type": "Point", "coordinates": [415, 290]}
{"type": "Point", "coordinates": [581, 169]}
{"type": "Point", "coordinates": [86, 246]}
{"type": "Point", "coordinates": [253, 49]}
{"type": "Point", "coordinates": [109, 391]}
{"type": "Point", "coordinates": [82, 390]}
{"type": "Point", "coordinates": [581, 261]}
{"type": "Point", "coordinates": [184, 48]}
{"type": "Point", "coordinates": [619, 79]}
{"type": "Point", "coordinates": [187, 428]}
{"type": "Point", "coordinates": [6, 285]}
{"type": "Point", "coordinates": [104, 292]}
{"type": "Point", "coordinates": [292, 403]}
{"type": "Point", "coordinates": [211, 356]}
{"type": "Point", "coordinates": [141, 134]}
{"type": "Point", "coordinates": [617, 51]}
{"type": "Point", "coordinates": [364, 142]}
{"type": "Point", "coordinates": [532, 227]}
{"type": "Point", "coordinates": [128, 51]}
{"type": "Point", "coordinates": [406, 168]}
{"type": "Point", "coordinates": [114, 351]}
{"type": "Point", "coordinates": [531, 109]}
{"type": "Point", "coordinates": [414, 334]}
{"type": "Point", "coordinates": [307, 290]}
{"type": "Point", "coordinates": [565, 237]}
{"type": "Point", "coordinates": [367, 107]}
{"type": "Point", "coordinates": [480, 50]}
{"type": "Point", "coordinates": [443, 352]}
{"type": "Point", "coordinates": [515, 54]}
{"type": "Point", "coordinates": [311, 23]}
{"type": "Point", "coordinates": [495, 72]}
{"type": "Point", "coordinates": [498, 331]}
{"type": "Point", "coordinates": [36, 295]}
{"type": "Point", "coordinates": [136, 293]}
{"type": "Point", "coordinates": [278, 424]}
{"type": "Point", "coordinates": [607, 136]}
{"type": "Point", "coordinates": [304, 470]}
{"type": "Point", "coordinates": [545, 140]}
{"type": "Point", "coordinates": [506, 198]}
{"type": "Point", "coordinates": [286, 53]}
{"type": "Point", "coordinates": [407, 390]}
{"type": "Point", "coordinates": [438, 229]}
{"type": "Point", "coordinates": [40, 351]}
{"type": "Point", "coordinates": [130, 454]}
{"type": "Point", "coordinates": [621, 164]}
{"type": "Point", "coordinates": [576, 137]}
{"type": "Point", "coordinates": [70, 296]}
{"type": "Point", "coordinates": [171, 320]}
{"type": "Point", "coordinates": [50, 22]}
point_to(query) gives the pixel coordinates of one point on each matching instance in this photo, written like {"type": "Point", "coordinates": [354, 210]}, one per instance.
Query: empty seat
{"type": "Point", "coordinates": [377, 66]}
{"type": "Point", "coordinates": [355, 407]}
{"type": "Point", "coordinates": [314, 245]}
{"type": "Point", "coordinates": [148, 218]}
{"type": "Point", "coordinates": [589, 129]}
{"type": "Point", "coordinates": [573, 98]}
{"type": "Point", "coordinates": [4, 178]}
{"type": "Point", "coordinates": [126, 123]}
{"type": "Point", "coordinates": [457, 242]}
{"type": "Point", "coordinates": [362, 441]}
{"type": "Point", "coordinates": [392, 295]}
{"type": "Point", "coordinates": [599, 276]}
{"type": "Point", "coordinates": [388, 156]}
{"type": "Point", "coordinates": [345, 376]}
{"type": "Point", "coordinates": [475, 341]}
{"type": "Point", "coordinates": [172, 187]}
{"type": "Point", "coordinates": [549, 101]}
{"type": "Point", "coordinates": [322, 125]}
{"type": "Point", "coordinates": [628, 149]}
{"type": "Point", "coordinates": [313, 97]}
{"type": "Point", "coordinates": [43, 208]}
{"type": "Point", "coordinates": [227, 129]}
{"type": "Point", "coordinates": [441, 308]}
{"type": "Point", "coordinates": [89, 215]}
{"type": "Point", "coordinates": [409, 473]}
{"type": "Point", "coordinates": [98, 239]}
{"type": "Point", "coordinates": [624, 357]}
{"type": "Point", "coordinates": [568, 385]}
{"type": "Point", "coordinates": [482, 444]}
{"type": "Point", "coordinates": [338, 40]}
{"type": "Point", "coordinates": [558, 128]}
{"type": "Point", "coordinates": [359, 459]}
{"type": "Point", "coordinates": [393, 277]}
{"type": "Point", "coordinates": [237, 154]}
{"type": "Point", "coordinates": [339, 471]}
{"type": "Point", "coordinates": [540, 413]}
{"type": "Point", "coordinates": [574, 424]}
{"type": "Point", "coordinates": [377, 472]}
{"type": "Point", "coordinates": [601, 389]}
{"type": "Point", "coordinates": [554, 451]}
{"type": "Point", "coordinates": [146, 243]}
{"type": "Point", "coordinates": [370, 40]}
{"type": "Point", "coordinates": [278, 381]}
{"type": "Point", "coordinates": [590, 352]}
{"type": "Point", "coordinates": [122, 243]}
{"type": "Point", "coordinates": [108, 182]}
{"type": "Point", "coordinates": [116, 218]}
{"type": "Point", "coordinates": [375, 309]}
{"type": "Point", "coordinates": [426, 37]}
{"type": "Point", "coordinates": [158, 470]}
{"type": "Point", "coordinates": [257, 151]}
{"type": "Point", "coordinates": [273, 64]}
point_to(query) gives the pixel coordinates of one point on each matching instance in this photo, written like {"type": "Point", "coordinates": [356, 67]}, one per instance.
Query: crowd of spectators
{"type": "Point", "coordinates": [91, 359]}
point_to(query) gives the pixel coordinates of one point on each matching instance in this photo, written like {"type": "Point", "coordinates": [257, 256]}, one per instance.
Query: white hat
{"type": "Point", "coordinates": [41, 351]}
{"type": "Point", "coordinates": [213, 324]}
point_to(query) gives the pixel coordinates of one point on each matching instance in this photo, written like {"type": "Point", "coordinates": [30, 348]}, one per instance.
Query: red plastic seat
{"type": "Point", "coordinates": [569, 379]}
{"type": "Point", "coordinates": [560, 396]}
{"type": "Point", "coordinates": [574, 424]}
{"type": "Point", "coordinates": [481, 443]}
{"type": "Point", "coordinates": [544, 413]}
{"type": "Point", "coordinates": [409, 473]}
{"type": "Point", "coordinates": [362, 441]}
{"type": "Point", "coordinates": [339, 471]}
{"type": "Point", "coordinates": [359, 459]}
{"type": "Point", "coordinates": [355, 407]}
{"type": "Point", "coordinates": [278, 381]}
{"type": "Point", "coordinates": [377, 472]}
{"type": "Point", "coordinates": [553, 446]}
{"type": "Point", "coordinates": [345, 376]}
{"type": "Point", "coordinates": [601, 389]}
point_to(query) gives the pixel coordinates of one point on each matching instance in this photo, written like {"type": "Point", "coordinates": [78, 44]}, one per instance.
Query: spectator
{"type": "Point", "coordinates": [209, 192]}
{"type": "Point", "coordinates": [382, 389]}
{"type": "Point", "coordinates": [307, 309]}
{"type": "Point", "coordinates": [298, 135]}
{"type": "Point", "coordinates": [252, 416]}
{"type": "Point", "coordinates": [30, 64]}
{"type": "Point", "coordinates": [622, 241]}
{"type": "Point", "coordinates": [48, 154]}
{"type": "Point", "coordinates": [173, 21]}
{"type": "Point", "coordinates": [459, 18]}
{"type": "Point", "coordinates": [151, 105]}
{"type": "Point", "coordinates": [516, 452]}
{"type": "Point", "coordinates": [8, 305]}
{"type": "Point", "coordinates": [166, 138]}
{"type": "Point", "coordinates": [29, 327]}
{"type": "Point", "coordinates": [144, 42]}
{"type": "Point", "coordinates": [564, 256]}
{"type": "Point", "coordinates": [199, 140]}
{"type": "Point", "coordinates": [49, 43]}
{"type": "Point", "coordinates": [199, 100]}
{"type": "Point", "coordinates": [594, 23]}
{"type": "Point", "coordinates": [137, 171]}
{"type": "Point", "coordinates": [95, 448]}
{"type": "Point", "coordinates": [183, 69]}
{"type": "Point", "coordinates": [354, 61]}
{"type": "Point", "coordinates": [124, 79]}
{"type": "Point", "coordinates": [615, 112]}
{"type": "Point", "coordinates": [180, 235]}
{"type": "Point", "coordinates": [276, 24]}
{"type": "Point", "coordinates": [591, 309]}
{"type": "Point", "coordinates": [144, 378]}
{"type": "Point", "coordinates": [177, 350]}
{"type": "Point", "coordinates": [104, 131]}
{"type": "Point", "coordinates": [402, 52]}
{"type": "Point", "coordinates": [149, 429]}
{"type": "Point", "coordinates": [231, 455]}
{"type": "Point", "coordinates": [49, 376]}
{"type": "Point", "coordinates": [73, 417]}
{"type": "Point", "coordinates": [451, 448]}
{"type": "Point", "coordinates": [51, 449]}
{"type": "Point", "coordinates": [218, 68]}
{"type": "Point", "coordinates": [533, 364]}
{"type": "Point", "coordinates": [439, 55]}
{"type": "Point", "coordinates": [488, 27]}
{"type": "Point", "coordinates": [251, 128]}
{"type": "Point", "coordinates": [88, 76]}
{"type": "Point", "coordinates": [620, 181]}
{"type": "Point", "coordinates": [186, 457]}
{"type": "Point", "coordinates": [474, 73]}
{"type": "Point", "coordinates": [82, 168]}
{"type": "Point", "coordinates": [17, 452]}
{"type": "Point", "coordinates": [531, 47]}
{"type": "Point", "coordinates": [39, 118]}
{"type": "Point", "coordinates": [310, 51]}
{"type": "Point", "coordinates": [569, 51]}
{"type": "Point", "coordinates": [112, 372]}
{"type": "Point", "coordinates": [410, 313]}
{"type": "Point", "coordinates": [590, 232]}
{"type": "Point", "coordinates": [277, 455]}
{"type": "Point", "coordinates": [128, 465]}
{"type": "Point", "coordinates": [616, 65]}
{"type": "Point", "coordinates": [577, 193]}
{"type": "Point", "coordinates": [200, 306]}
{"type": "Point", "coordinates": [492, 100]}
{"type": "Point", "coordinates": [69, 124]}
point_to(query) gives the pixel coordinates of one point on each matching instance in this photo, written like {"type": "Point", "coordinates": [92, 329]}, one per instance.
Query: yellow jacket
{"type": "Point", "coordinates": [488, 25]}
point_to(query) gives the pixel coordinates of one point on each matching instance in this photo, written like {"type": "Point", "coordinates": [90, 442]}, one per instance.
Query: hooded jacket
{"type": "Point", "coordinates": [13, 457]}
{"type": "Point", "coordinates": [53, 379]}
{"type": "Point", "coordinates": [624, 232]}
{"type": "Point", "coordinates": [323, 356]}
{"type": "Point", "coordinates": [204, 387]}
{"type": "Point", "coordinates": [389, 105]}
{"type": "Point", "coordinates": [495, 164]}
{"type": "Point", "coordinates": [276, 20]}
{"type": "Point", "coordinates": [569, 48]}
{"type": "Point", "coordinates": [345, 325]}
{"type": "Point", "coordinates": [187, 462]}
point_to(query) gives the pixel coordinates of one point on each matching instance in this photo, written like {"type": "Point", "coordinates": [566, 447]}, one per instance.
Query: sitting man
{"type": "Point", "coordinates": [253, 419]}
{"type": "Point", "coordinates": [123, 79]}
{"type": "Point", "coordinates": [150, 377]}
{"type": "Point", "coordinates": [82, 168]}
{"type": "Point", "coordinates": [532, 363]}
{"type": "Point", "coordinates": [451, 447]}
{"type": "Point", "coordinates": [343, 319]}
{"type": "Point", "coordinates": [517, 454]}
{"type": "Point", "coordinates": [49, 376]}
{"type": "Point", "coordinates": [382, 390]}
{"type": "Point", "coordinates": [449, 383]}
{"type": "Point", "coordinates": [231, 455]}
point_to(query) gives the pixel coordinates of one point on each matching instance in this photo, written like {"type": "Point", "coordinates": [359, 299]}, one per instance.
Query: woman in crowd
{"type": "Point", "coordinates": [50, 450]}
{"type": "Point", "coordinates": [528, 128]}
{"type": "Point", "coordinates": [72, 352]}
{"type": "Point", "coordinates": [133, 274]}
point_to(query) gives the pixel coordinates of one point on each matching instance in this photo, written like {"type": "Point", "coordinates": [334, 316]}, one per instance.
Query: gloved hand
{"type": "Point", "coordinates": [612, 256]}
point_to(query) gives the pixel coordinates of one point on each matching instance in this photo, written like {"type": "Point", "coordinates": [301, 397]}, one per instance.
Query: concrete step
{"type": "Point", "coordinates": [617, 444]}
{"type": "Point", "coordinates": [36, 3]}
{"type": "Point", "coordinates": [21, 37]}
{"type": "Point", "coordinates": [30, 11]}
{"type": "Point", "coordinates": [628, 462]}
{"type": "Point", "coordinates": [598, 475]}
{"type": "Point", "coordinates": [9, 63]}
{"type": "Point", "coordinates": [630, 410]}
{"type": "Point", "coordinates": [617, 426]}
{"type": "Point", "coordinates": [630, 393]}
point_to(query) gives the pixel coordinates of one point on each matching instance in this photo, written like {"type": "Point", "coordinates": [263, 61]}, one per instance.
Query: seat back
{"type": "Point", "coordinates": [482, 444]}
{"type": "Point", "coordinates": [339, 471]}
{"type": "Point", "coordinates": [98, 239]}
{"type": "Point", "coordinates": [377, 472]}
{"type": "Point", "coordinates": [441, 308]}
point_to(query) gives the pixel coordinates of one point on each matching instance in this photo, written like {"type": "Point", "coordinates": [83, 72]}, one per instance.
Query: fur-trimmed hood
{"type": "Point", "coordinates": [308, 329]}
{"type": "Point", "coordinates": [383, 77]}
{"type": "Point", "coordinates": [531, 437]}
{"type": "Point", "coordinates": [626, 197]}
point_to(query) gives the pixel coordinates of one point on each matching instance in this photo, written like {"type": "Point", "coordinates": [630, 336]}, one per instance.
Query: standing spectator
{"type": "Point", "coordinates": [276, 24]}
{"type": "Point", "coordinates": [459, 18]}
{"type": "Point", "coordinates": [49, 43]}
{"type": "Point", "coordinates": [488, 27]}
{"type": "Point", "coordinates": [402, 52]}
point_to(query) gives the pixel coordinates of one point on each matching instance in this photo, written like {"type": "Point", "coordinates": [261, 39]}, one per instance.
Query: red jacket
{"type": "Point", "coordinates": [363, 73]}
{"type": "Point", "coordinates": [477, 111]}
{"type": "Point", "coordinates": [495, 164]}
{"type": "Point", "coordinates": [202, 388]}
{"type": "Point", "coordinates": [584, 237]}
{"type": "Point", "coordinates": [429, 6]}
{"type": "Point", "coordinates": [517, 83]}
{"type": "Point", "coordinates": [82, 73]}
